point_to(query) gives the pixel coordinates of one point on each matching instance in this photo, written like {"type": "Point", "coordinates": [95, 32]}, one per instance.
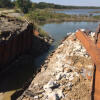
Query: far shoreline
{"type": "Point", "coordinates": [67, 20]}
{"type": "Point", "coordinates": [49, 15]}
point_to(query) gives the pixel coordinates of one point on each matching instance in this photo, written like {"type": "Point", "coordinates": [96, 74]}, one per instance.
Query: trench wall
{"type": "Point", "coordinates": [15, 46]}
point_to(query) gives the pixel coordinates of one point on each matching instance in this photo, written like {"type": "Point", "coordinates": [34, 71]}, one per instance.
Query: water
{"type": "Point", "coordinates": [59, 31]}
{"type": "Point", "coordinates": [80, 12]}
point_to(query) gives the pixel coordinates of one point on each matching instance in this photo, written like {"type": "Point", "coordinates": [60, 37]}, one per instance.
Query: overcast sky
{"type": "Point", "coordinates": [73, 2]}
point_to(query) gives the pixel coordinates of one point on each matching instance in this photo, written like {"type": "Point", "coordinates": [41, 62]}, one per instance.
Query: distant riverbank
{"type": "Point", "coordinates": [48, 15]}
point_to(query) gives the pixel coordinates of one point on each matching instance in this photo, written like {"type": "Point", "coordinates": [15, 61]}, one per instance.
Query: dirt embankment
{"type": "Point", "coordinates": [66, 74]}
{"type": "Point", "coordinates": [18, 48]}
{"type": "Point", "coordinates": [11, 26]}
{"type": "Point", "coordinates": [17, 37]}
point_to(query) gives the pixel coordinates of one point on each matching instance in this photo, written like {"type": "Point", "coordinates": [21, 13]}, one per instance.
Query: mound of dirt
{"type": "Point", "coordinates": [66, 75]}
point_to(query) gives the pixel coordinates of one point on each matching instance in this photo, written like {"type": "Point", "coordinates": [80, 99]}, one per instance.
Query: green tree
{"type": "Point", "coordinates": [24, 5]}
{"type": "Point", "coordinates": [5, 3]}
{"type": "Point", "coordinates": [34, 6]}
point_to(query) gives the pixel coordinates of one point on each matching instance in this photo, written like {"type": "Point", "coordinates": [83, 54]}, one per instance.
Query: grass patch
{"type": "Point", "coordinates": [97, 17]}
{"type": "Point", "coordinates": [17, 10]}
{"type": "Point", "coordinates": [40, 30]}
{"type": "Point", "coordinates": [48, 15]}
{"type": "Point", "coordinates": [44, 15]}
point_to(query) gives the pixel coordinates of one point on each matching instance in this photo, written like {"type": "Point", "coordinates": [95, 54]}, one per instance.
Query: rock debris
{"type": "Point", "coordinates": [65, 76]}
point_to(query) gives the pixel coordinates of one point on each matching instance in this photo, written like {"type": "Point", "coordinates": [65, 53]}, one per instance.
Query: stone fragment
{"type": "Point", "coordinates": [41, 95]}
{"type": "Point", "coordinates": [67, 88]}
{"type": "Point", "coordinates": [92, 34]}
{"type": "Point", "coordinates": [1, 96]}
{"type": "Point", "coordinates": [36, 97]}
{"type": "Point", "coordinates": [83, 30]}
{"type": "Point", "coordinates": [67, 70]}
{"type": "Point", "coordinates": [42, 69]}
{"type": "Point", "coordinates": [69, 84]}
{"type": "Point", "coordinates": [69, 62]}
{"type": "Point", "coordinates": [50, 85]}
{"type": "Point", "coordinates": [23, 98]}
{"type": "Point", "coordinates": [59, 69]}
{"type": "Point", "coordinates": [79, 64]}
{"type": "Point", "coordinates": [90, 66]}
{"type": "Point", "coordinates": [60, 93]}
{"type": "Point", "coordinates": [67, 76]}
{"type": "Point", "coordinates": [71, 78]}
{"type": "Point", "coordinates": [60, 75]}
{"type": "Point", "coordinates": [53, 96]}
{"type": "Point", "coordinates": [86, 55]}
{"type": "Point", "coordinates": [75, 80]}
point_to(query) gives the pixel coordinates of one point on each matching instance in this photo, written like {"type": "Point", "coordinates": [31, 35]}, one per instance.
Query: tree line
{"type": "Point", "coordinates": [23, 5]}
{"type": "Point", "coordinates": [43, 5]}
{"type": "Point", "coordinates": [6, 4]}
{"type": "Point", "coordinates": [27, 5]}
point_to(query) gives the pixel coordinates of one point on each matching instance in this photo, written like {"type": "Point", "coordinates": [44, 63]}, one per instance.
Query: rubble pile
{"type": "Point", "coordinates": [66, 74]}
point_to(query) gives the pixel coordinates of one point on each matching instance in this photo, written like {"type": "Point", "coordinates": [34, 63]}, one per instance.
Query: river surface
{"type": "Point", "coordinates": [16, 78]}
{"type": "Point", "coordinates": [60, 30]}
{"type": "Point", "coordinates": [80, 12]}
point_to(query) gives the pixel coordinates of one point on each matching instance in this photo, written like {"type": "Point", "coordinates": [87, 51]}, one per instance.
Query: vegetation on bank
{"type": "Point", "coordinates": [47, 15]}
{"type": "Point", "coordinates": [23, 5]}
{"type": "Point", "coordinates": [95, 12]}
{"type": "Point", "coordinates": [6, 4]}
{"type": "Point", "coordinates": [40, 30]}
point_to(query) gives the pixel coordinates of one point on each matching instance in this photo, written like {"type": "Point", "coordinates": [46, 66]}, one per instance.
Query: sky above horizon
{"type": "Point", "coordinates": [72, 2]}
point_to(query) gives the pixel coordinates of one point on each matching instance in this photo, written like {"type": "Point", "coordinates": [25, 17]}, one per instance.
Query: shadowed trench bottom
{"type": "Point", "coordinates": [15, 78]}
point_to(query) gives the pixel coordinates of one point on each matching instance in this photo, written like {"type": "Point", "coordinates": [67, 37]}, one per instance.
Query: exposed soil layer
{"type": "Point", "coordinates": [10, 26]}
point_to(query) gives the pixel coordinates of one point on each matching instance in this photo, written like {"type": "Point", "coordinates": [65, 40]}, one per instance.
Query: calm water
{"type": "Point", "coordinates": [80, 12]}
{"type": "Point", "coordinates": [59, 31]}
